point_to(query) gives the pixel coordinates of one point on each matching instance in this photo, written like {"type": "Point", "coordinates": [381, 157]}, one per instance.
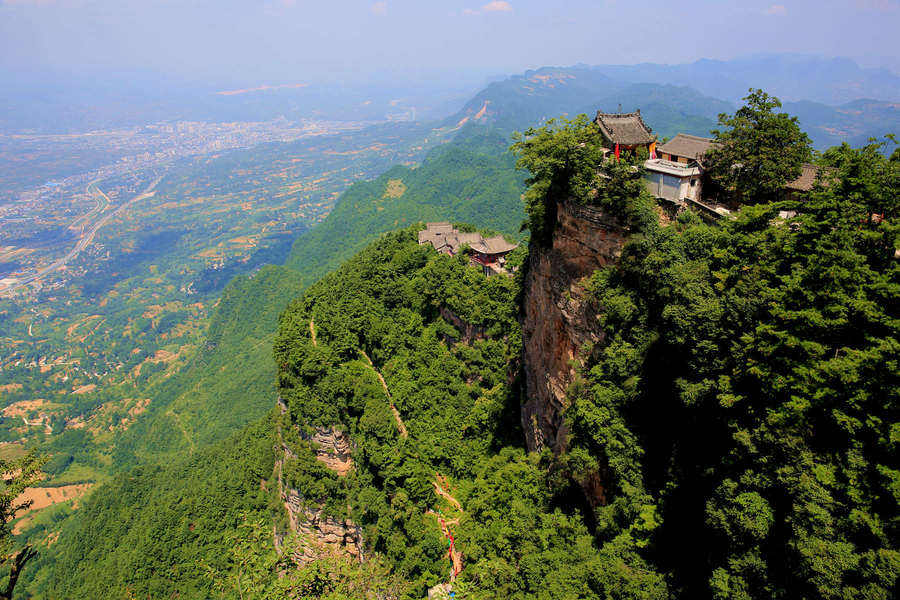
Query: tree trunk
{"type": "Point", "coordinates": [18, 563]}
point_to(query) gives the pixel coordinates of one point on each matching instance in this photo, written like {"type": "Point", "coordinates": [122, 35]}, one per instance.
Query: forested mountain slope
{"type": "Point", "coordinates": [432, 416]}
{"type": "Point", "coordinates": [745, 401]}
{"type": "Point", "coordinates": [160, 531]}
{"type": "Point", "coordinates": [730, 433]}
{"type": "Point", "coordinates": [452, 451]}
{"type": "Point", "coordinates": [694, 320]}
{"type": "Point", "coordinates": [230, 383]}
{"type": "Point", "coordinates": [452, 184]}
{"type": "Point", "coordinates": [730, 397]}
{"type": "Point", "coordinates": [855, 122]}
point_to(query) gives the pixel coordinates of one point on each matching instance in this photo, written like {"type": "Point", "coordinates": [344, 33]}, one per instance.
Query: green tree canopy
{"type": "Point", "coordinates": [746, 396]}
{"type": "Point", "coordinates": [18, 474]}
{"type": "Point", "coordinates": [568, 162]}
{"type": "Point", "coordinates": [759, 150]}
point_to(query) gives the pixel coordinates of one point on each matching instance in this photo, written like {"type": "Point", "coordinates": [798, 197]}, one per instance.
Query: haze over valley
{"type": "Point", "coordinates": [231, 366]}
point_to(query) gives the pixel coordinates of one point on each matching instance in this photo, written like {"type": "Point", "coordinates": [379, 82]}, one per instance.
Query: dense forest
{"type": "Point", "coordinates": [454, 429]}
{"type": "Point", "coordinates": [231, 383]}
{"type": "Point", "coordinates": [740, 410]}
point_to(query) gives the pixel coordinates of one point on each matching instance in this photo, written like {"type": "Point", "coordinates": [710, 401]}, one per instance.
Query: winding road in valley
{"type": "Point", "coordinates": [86, 239]}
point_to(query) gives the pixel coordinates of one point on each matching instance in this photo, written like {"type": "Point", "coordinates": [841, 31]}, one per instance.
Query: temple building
{"type": "Point", "coordinates": [809, 173]}
{"type": "Point", "coordinates": [685, 149]}
{"type": "Point", "coordinates": [675, 172]}
{"type": "Point", "coordinates": [625, 131]}
{"type": "Point", "coordinates": [489, 254]}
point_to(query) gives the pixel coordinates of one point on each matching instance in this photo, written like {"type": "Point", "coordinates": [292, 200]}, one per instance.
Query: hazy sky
{"type": "Point", "coordinates": [280, 41]}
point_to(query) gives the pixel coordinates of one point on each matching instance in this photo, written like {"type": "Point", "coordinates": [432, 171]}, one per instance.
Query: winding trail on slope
{"type": "Point", "coordinates": [400, 425]}
{"type": "Point", "coordinates": [184, 430]}
{"type": "Point", "coordinates": [442, 489]}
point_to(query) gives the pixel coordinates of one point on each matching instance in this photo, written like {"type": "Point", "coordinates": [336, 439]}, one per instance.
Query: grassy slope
{"type": "Point", "coordinates": [232, 382]}
{"type": "Point", "coordinates": [187, 510]}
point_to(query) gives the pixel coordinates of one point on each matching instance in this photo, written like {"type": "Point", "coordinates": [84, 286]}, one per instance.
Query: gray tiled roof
{"type": "Point", "coordinates": [496, 245]}
{"type": "Point", "coordinates": [626, 128]}
{"type": "Point", "coordinates": [444, 236]}
{"type": "Point", "coordinates": [689, 146]}
{"type": "Point", "coordinates": [807, 179]}
{"type": "Point", "coordinates": [440, 227]}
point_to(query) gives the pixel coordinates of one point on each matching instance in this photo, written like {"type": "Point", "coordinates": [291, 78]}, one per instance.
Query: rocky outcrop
{"type": "Point", "coordinates": [319, 534]}
{"type": "Point", "coordinates": [560, 322]}
{"type": "Point", "coordinates": [332, 447]}
{"type": "Point", "coordinates": [440, 592]}
{"type": "Point", "coordinates": [469, 332]}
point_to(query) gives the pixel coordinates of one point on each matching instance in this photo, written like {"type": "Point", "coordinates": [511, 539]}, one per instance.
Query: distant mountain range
{"type": "Point", "coordinates": [791, 77]}
{"type": "Point", "coordinates": [524, 100]}
{"type": "Point", "coordinates": [62, 105]}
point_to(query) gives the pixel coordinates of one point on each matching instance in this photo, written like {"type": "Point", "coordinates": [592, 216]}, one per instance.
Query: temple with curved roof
{"type": "Point", "coordinates": [625, 131]}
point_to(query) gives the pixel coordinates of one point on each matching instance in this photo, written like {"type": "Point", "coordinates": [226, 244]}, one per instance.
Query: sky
{"type": "Point", "coordinates": [296, 41]}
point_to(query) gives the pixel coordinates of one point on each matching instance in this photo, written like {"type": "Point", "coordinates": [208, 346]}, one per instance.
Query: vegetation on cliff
{"type": "Point", "coordinates": [566, 161]}
{"type": "Point", "coordinates": [757, 150]}
{"type": "Point", "coordinates": [18, 474]}
{"type": "Point", "coordinates": [742, 410]}
{"type": "Point", "coordinates": [457, 401]}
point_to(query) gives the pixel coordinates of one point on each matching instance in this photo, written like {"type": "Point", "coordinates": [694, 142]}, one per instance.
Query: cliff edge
{"type": "Point", "coordinates": [559, 321]}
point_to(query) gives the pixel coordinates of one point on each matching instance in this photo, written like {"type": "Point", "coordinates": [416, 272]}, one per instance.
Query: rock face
{"type": "Point", "coordinates": [332, 447]}
{"type": "Point", "coordinates": [560, 322]}
{"type": "Point", "coordinates": [320, 534]}
{"type": "Point", "coordinates": [469, 332]}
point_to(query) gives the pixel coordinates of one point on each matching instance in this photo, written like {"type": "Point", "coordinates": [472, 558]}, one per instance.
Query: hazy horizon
{"type": "Point", "coordinates": [283, 42]}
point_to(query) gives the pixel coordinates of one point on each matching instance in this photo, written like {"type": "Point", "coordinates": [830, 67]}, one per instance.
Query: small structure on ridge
{"type": "Point", "coordinates": [487, 253]}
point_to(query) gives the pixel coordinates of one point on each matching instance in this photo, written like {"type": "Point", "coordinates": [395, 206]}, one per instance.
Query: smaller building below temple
{"type": "Point", "coordinates": [487, 253]}
{"type": "Point", "coordinates": [673, 181]}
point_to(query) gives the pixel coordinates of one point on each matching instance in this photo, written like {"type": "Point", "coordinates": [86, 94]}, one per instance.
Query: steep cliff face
{"type": "Point", "coordinates": [560, 322]}
{"type": "Point", "coordinates": [332, 448]}
{"type": "Point", "coordinates": [319, 533]}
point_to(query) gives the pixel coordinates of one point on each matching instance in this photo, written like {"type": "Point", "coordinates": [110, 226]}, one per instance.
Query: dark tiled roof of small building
{"type": "Point", "coordinates": [627, 129]}
{"type": "Point", "coordinates": [443, 236]}
{"type": "Point", "coordinates": [807, 179]}
{"type": "Point", "coordinates": [435, 233]}
{"type": "Point", "coordinates": [494, 245]}
{"type": "Point", "coordinates": [689, 146]}
{"type": "Point", "coordinates": [440, 227]}
{"type": "Point", "coordinates": [457, 240]}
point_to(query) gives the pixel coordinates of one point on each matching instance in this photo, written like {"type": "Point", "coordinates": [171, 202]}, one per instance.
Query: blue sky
{"type": "Point", "coordinates": [281, 41]}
